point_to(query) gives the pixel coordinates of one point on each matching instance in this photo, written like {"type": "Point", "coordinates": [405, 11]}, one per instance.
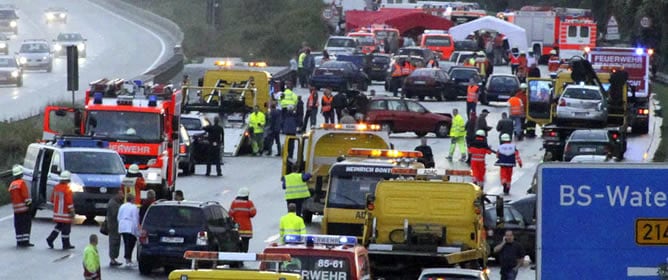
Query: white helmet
{"type": "Point", "coordinates": [65, 175]}
{"type": "Point", "coordinates": [523, 86]}
{"type": "Point", "coordinates": [131, 131]}
{"type": "Point", "coordinates": [17, 170]}
{"type": "Point", "coordinates": [480, 53]}
{"type": "Point", "coordinates": [480, 132]}
{"type": "Point", "coordinates": [133, 169]}
{"type": "Point", "coordinates": [505, 137]}
{"type": "Point", "coordinates": [243, 192]}
{"type": "Point", "coordinates": [554, 52]}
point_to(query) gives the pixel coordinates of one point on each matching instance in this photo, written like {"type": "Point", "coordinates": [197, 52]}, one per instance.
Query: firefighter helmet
{"type": "Point", "coordinates": [505, 137]}
{"type": "Point", "coordinates": [523, 86]}
{"type": "Point", "coordinates": [65, 175]}
{"type": "Point", "coordinates": [243, 192]}
{"type": "Point", "coordinates": [553, 52]}
{"type": "Point", "coordinates": [480, 132]}
{"type": "Point", "coordinates": [133, 169]}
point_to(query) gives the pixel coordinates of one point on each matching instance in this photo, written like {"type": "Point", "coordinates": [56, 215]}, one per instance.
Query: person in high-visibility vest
{"type": "Point", "coordinates": [553, 63]}
{"type": "Point", "coordinates": [472, 93]}
{"type": "Point", "coordinates": [256, 122]}
{"type": "Point", "coordinates": [242, 210]}
{"type": "Point", "coordinates": [91, 260]}
{"type": "Point", "coordinates": [482, 63]}
{"type": "Point", "coordinates": [516, 112]}
{"type": "Point", "coordinates": [289, 97]}
{"type": "Point", "coordinates": [457, 136]}
{"type": "Point", "coordinates": [133, 183]}
{"type": "Point", "coordinates": [311, 108]}
{"type": "Point", "coordinates": [296, 190]}
{"type": "Point", "coordinates": [478, 150]}
{"type": "Point", "coordinates": [291, 223]}
{"type": "Point", "coordinates": [326, 108]}
{"type": "Point", "coordinates": [396, 78]}
{"type": "Point", "coordinates": [514, 59]}
{"type": "Point", "coordinates": [21, 201]}
{"type": "Point", "coordinates": [508, 156]}
{"type": "Point", "coordinates": [63, 211]}
{"type": "Point", "coordinates": [301, 71]}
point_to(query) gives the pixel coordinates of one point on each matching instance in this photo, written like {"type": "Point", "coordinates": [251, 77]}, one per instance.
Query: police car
{"type": "Point", "coordinates": [97, 173]}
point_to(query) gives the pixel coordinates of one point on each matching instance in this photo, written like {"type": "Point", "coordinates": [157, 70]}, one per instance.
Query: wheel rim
{"type": "Point", "coordinates": [443, 130]}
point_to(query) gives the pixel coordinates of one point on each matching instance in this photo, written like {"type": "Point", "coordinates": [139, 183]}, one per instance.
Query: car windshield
{"type": "Point", "coordinates": [34, 48]}
{"type": "Point", "coordinates": [181, 216]}
{"type": "Point", "coordinates": [7, 14]}
{"type": "Point", "coordinates": [69, 37]}
{"type": "Point", "coordinates": [449, 276]}
{"type": "Point", "coordinates": [7, 62]}
{"type": "Point", "coordinates": [365, 40]}
{"type": "Point", "coordinates": [129, 126]}
{"type": "Point", "coordinates": [462, 74]}
{"type": "Point", "coordinates": [192, 123]}
{"type": "Point", "coordinates": [89, 162]}
{"type": "Point", "coordinates": [340, 43]}
{"type": "Point", "coordinates": [582, 93]}
{"type": "Point", "coordinates": [315, 267]}
{"type": "Point", "coordinates": [503, 82]}
{"type": "Point", "coordinates": [424, 72]}
{"type": "Point", "coordinates": [437, 41]}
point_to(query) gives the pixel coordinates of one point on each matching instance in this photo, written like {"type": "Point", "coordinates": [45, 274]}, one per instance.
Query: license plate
{"type": "Point", "coordinates": [587, 150]}
{"type": "Point", "coordinates": [651, 231]}
{"type": "Point", "coordinates": [376, 69]}
{"type": "Point", "coordinates": [329, 73]}
{"type": "Point", "coordinates": [100, 205]}
{"type": "Point", "coordinates": [504, 96]}
{"type": "Point", "coordinates": [420, 82]}
{"type": "Point", "coordinates": [580, 113]}
{"type": "Point", "coordinates": [167, 239]}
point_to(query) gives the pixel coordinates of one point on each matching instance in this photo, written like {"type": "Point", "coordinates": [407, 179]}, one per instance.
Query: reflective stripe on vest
{"type": "Point", "coordinates": [472, 93]}
{"type": "Point", "coordinates": [17, 199]}
{"type": "Point", "coordinates": [396, 72]}
{"type": "Point", "coordinates": [289, 99]}
{"type": "Point", "coordinates": [295, 188]}
{"type": "Point", "coordinates": [327, 103]}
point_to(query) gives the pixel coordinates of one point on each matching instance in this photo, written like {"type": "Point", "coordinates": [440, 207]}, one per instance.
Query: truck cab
{"type": "Point", "coordinates": [321, 257]}
{"type": "Point", "coordinates": [438, 41]}
{"type": "Point", "coordinates": [225, 272]}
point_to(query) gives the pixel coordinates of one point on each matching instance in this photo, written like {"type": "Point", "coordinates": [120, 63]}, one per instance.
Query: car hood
{"type": "Point", "coordinates": [98, 180]}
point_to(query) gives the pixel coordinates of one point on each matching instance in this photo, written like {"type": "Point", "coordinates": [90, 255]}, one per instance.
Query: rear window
{"type": "Point", "coordinates": [462, 74]}
{"type": "Point", "coordinates": [8, 14]}
{"type": "Point", "coordinates": [341, 43]}
{"type": "Point", "coordinates": [411, 52]}
{"type": "Point", "coordinates": [448, 276]}
{"type": "Point", "coordinates": [582, 93]}
{"type": "Point", "coordinates": [181, 216]}
{"type": "Point", "coordinates": [503, 81]}
{"type": "Point", "coordinates": [589, 135]}
{"type": "Point", "coordinates": [192, 123]}
{"type": "Point", "coordinates": [316, 267]}
{"type": "Point", "coordinates": [438, 41]}
{"type": "Point", "coordinates": [381, 59]}
{"type": "Point", "coordinates": [424, 73]}
{"type": "Point", "coordinates": [378, 105]}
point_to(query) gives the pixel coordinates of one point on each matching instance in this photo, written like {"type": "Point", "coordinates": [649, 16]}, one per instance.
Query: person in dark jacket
{"type": "Point", "coordinates": [534, 72]}
{"type": "Point", "coordinates": [112, 227]}
{"type": "Point", "coordinates": [273, 132]}
{"type": "Point", "coordinates": [290, 127]}
{"type": "Point", "coordinates": [309, 66]}
{"type": "Point", "coordinates": [145, 203]}
{"type": "Point", "coordinates": [470, 126]}
{"type": "Point", "coordinates": [505, 125]}
{"type": "Point", "coordinates": [299, 112]}
{"type": "Point", "coordinates": [481, 123]}
{"type": "Point", "coordinates": [215, 135]}
{"type": "Point", "coordinates": [339, 103]}
{"type": "Point", "coordinates": [427, 155]}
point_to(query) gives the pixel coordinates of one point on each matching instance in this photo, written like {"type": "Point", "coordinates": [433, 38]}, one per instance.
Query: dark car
{"type": "Point", "coordinates": [380, 65]}
{"type": "Point", "coordinates": [186, 152]}
{"type": "Point", "coordinates": [466, 45]}
{"type": "Point", "coordinates": [460, 76]}
{"type": "Point", "coordinates": [525, 234]}
{"type": "Point", "coordinates": [500, 87]}
{"type": "Point", "coordinates": [10, 72]}
{"type": "Point", "coordinates": [64, 40]}
{"type": "Point", "coordinates": [400, 115]}
{"type": "Point", "coordinates": [425, 53]}
{"type": "Point", "coordinates": [172, 227]}
{"type": "Point", "coordinates": [340, 75]}
{"type": "Point", "coordinates": [432, 82]}
{"type": "Point", "coordinates": [588, 142]}
{"type": "Point", "coordinates": [8, 19]}
{"type": "Point", "coordinates": [527, 207]}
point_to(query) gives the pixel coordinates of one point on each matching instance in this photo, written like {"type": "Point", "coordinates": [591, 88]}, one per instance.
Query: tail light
{"type": "Point", "coordinates": [143, 237]}
{"type": "Point", "coordinates": [182, 148]}
{"type": "Point", "coordinates": [562, 103]}
{"type": "Point", "coordinates": [202, 238]}
{"type": "Point", "coordinates": [643, 111]}
{"type": "Point", "coordinates": [615, 135]}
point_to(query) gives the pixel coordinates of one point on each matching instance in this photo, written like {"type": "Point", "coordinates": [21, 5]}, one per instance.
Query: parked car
{"type": "Point", "coordinates": [525, 234]}
{"type": "Point", "coordinates": [35, 55]}
{"type": "Point", "coordinates": [452, 273]}
{"type": "Point", "coordinates": [584, 104]}
{"type": "Point", "coordinates": [10, 72]}
{"type": "Point", "coordinates": [172, 227]}
{"type": "Point", "coordinates": [340, 75]}
{"type": "Point", "coordinates": [380, 64]}
{"type": "Point", "coordinates": [425, 53]}
{"type": "Point", "coordinates": [400, 115]}
{"type": "Point", "coordinates": [500, 87]}
{"type": "Point", "coordinates": [588, 142]}
{"type": "Point", "coordinates": [194, 123]}
{"type": "Point", "coordinates": [64, 40]}
{"type": "Point", "coordinates": [460, 76]}
{"type": "Point", "coordinates": [186, 152]}
{"type": "Point", "coordinates": [341, 45]}
{"type": "Point", "coordinates": [432, 82]}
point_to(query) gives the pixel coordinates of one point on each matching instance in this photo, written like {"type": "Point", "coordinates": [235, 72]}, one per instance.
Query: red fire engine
{"type": "Point", "coordinates": [140, 122]}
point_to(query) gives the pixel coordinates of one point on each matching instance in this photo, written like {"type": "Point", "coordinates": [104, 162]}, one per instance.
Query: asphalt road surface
{"type": "Point", "coordinates": [116, 48]}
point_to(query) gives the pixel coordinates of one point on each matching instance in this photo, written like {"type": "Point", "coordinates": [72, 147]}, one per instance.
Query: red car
{"type": "Point", "coordinates": [401, 115]}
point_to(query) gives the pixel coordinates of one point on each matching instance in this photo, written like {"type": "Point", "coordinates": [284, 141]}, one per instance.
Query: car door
{"type": "Point", "coordinates": [419, 117]}
{"type": "Point", "coordinates": [539, 95]}
{"type": "Point", "coordinates": [399, 115]}
{"type": "Point", "coordinates": [55, 167]}
{"type": "Point", "coordinates": [39, 180]}
{"type": "Point", "coordinates": [378, 111]}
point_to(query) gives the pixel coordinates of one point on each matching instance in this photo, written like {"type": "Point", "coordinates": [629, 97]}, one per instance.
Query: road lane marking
{"type": "Point", "coordinates": [271, 238]}
{"type": "Point", "coordinates": [68, 256]}
{"type": "Point", "coordinates": [6, 218]}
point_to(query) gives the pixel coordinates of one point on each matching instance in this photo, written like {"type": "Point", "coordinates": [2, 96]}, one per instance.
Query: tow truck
{"type": "Point", "coordinates": [321, 257]}
{"type": "Point", "coordinates": [426, 218]}
{"type": "Point", "coordinates": [317, 149]}
{"type": "Point", "coordinates": [230, 94]}
{"type": "Point", "coordinates": [543, 95]}
{"type": "Point", "coordinates": [351, 180]}
{"type": "Point", "coordinates": [226, 273]}
{"type": "Point", "coordinates": [140, 121]}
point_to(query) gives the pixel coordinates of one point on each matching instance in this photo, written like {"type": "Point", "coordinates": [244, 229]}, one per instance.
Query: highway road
{"type": "Point", "coordinates": [261, 175]}
{"type": "Point", "coordinates": [116, 47]}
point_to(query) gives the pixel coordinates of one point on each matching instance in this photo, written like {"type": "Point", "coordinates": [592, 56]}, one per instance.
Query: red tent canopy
{"type": "Point", "coordinates": [405, 20]}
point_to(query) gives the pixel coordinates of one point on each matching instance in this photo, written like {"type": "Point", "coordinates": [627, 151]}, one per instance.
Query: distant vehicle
{"type": "Point", "coordinates": [194, 123]}
{"type": "Point", "coordinates": [466, 45]}
{"type": "Point", "coordinates": [438, 41]}
{"type": "Point", "coordinates": [69, 39]}
{"type": "Point", "coordinates": [186, 156]}
{"type": "Point", "coordinates": [425, 53]}
{"type": "Point", "coordinates": [461, 75]}
{"type": "Point", "coordinates": [341, 45]}
{"type": "Point", "coordinates": [432, 82]}
{"type": "Point", "coordinates": [400, 115]}
{"type": "Point", "coordinates": [4, 44]}
{"type": "Point", "coordinates": [8, 19]}
{"type": "Point", "coordinates": [366, 41]}
{"type": "Point", "coordinates": [340, 75]}
{"type": "Point", "coordinates": [452, 273]}
{"type": "Point", "coordinates": [456, 58]}
{"type": "Point", "coordinates": [35, 55]}
{"type": "Point", "coordinates": [588, 142]}
{"type": "Point", "coordinates": [500, 87]}
{"type": "Point", "coordinates": [380, 65]}
{"type": "Point", "coordinates": [172, 227]}
{"type": "Point", "coordinates": [582, 103]}
{"type": "Point", "coordinates": [590, 159]}
{"type": "Point", "coordinates": [55, 14]}
{"type": "Point", "coordinates": [10, 72]}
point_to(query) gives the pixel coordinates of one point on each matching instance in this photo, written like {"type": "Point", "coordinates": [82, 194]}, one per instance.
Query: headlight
{"type": "Point", "coordinates": [23, 60]}
{"type": "Point", "coordinates": [45, 57]}
{"type": "Point", "coordinates": [62, 15]}
{"type": "Point", "coordinates": [3, 45]}
{"type": "Point", "coordinates": [152, 176]}
{"type": "Point", "coordinates": [50, 16]}
{"type": "Point", "coordinates": [81, 46]}
{"type": "Point", "coordinates": [74, 187]}
{"type": "Point", "coordinates": [57, 48]}
{"type": "Point", "coordinates": [15, 73]}
{"type": "Point", "coordinates": [12, 23]}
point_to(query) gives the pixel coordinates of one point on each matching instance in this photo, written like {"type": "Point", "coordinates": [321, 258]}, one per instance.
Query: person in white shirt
{"type": "Point", "coordinates": [128, 226]}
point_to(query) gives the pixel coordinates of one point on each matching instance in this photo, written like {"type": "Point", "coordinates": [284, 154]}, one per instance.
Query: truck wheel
{"type": "Point", "coordinates": [307, 216]}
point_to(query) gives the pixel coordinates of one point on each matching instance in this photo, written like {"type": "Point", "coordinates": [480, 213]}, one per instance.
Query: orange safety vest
{"type": "Point", "coordinates": [553, 63]}
{"type": "Point", "coordinates": [478, 154]}
{"type": "Point", "coordinates": [19, 195]}
{"type": "Point", "coordinates": [514, 59]}
{"type": "Point", "coordinates": [242, 211]}
{"type": "Point", "coordinates": [472, 93]}
{"type": "Point", "coordinates": [311, 101]}
{"type": "Point", "coordinates": [522, 61]}
{"type": "Point", "coordinates": [516, 106]}
{"type": "Point", "coordinates": [63, 204]}
{"type": "Point", "coordinates": [135, 186]}
{"type": "Point", "coordinates": [406, 69]}
{"type": "Point", "coordinates": [396, 72]}
{"type": "Point", "coordinates": [327, 103]}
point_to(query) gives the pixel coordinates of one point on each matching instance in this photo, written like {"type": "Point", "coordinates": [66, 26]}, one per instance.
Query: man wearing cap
{"type": "Point", "coordinates": [63, 211]}
{"type": "Point", "coordinates": [478, 150]}
{"type": "Point", "coordinates": [21, 201]}
{"type": "Point", "coordinates": [296, 190]}
{"type": "Point", "coordinates": [508, 156]}
{"type": "Point", "coordinates": [133, 183]}
{"type": "Point", "coordinates": [291, 223]}
{"type": "Point", "coordinates": [242, 210]}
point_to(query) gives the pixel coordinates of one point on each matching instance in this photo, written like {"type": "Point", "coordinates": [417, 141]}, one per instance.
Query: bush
{"type": "Point", "coordinates": [14, 140]}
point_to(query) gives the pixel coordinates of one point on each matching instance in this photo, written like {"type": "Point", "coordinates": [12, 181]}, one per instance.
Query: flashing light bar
{"type": "Point", "coordinates": [650, 51]}
{"type": "Point", "coordinates": [430, 172]}
{"type": "Point", "coordinates": [358, 126]}
{"type": "Point", "coordinates": [384, 153]}
{"type": "Point", "coordinates": [257, 64]}
{"type": "Point", "coordinates": [223, 63]}
{"type": "Point", "coordinates": [320, 239]}
{"type": "Point", "coordinates": [82, 143]}
{"type": "Point", "coordinates": [124, 100]}
{"type": "Point", "coordinates": [245, 257]}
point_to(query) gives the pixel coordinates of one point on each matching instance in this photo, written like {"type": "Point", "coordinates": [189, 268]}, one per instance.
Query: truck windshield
{"type": "Point", "coordinates": [316, 267]}
{"type": "Point", "coordinates": [348, 190]}
{"type": "Point", "coordinates": [87, 162]}
{"type": "Point", "coordinates": [128, 126]}
{"type": "Point", "coordinates": [340, 43]}
{"type": "Point", "coordinates": [437, 41]}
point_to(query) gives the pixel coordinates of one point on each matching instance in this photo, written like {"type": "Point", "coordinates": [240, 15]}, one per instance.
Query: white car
{"type": "Point", "coordinates": [452, 273]}
{"type": "Point", "coordinates": [590, 159]}
{"type": "Point", "coordinates": [341, 45]}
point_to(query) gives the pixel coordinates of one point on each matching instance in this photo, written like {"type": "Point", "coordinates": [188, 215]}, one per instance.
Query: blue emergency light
{"type": "Point", "coordinates": [82, 143]}
{"type": "Point", "coordinates": [640, 51]}
{"type": "Point", "coordinates": [152, 100]}
{"type": "Point", "coordinates": [319, 239]}
{"type": "Point", "coordinates": [97, 97]}
{"type": "Point", "coordinates": [139, 83]}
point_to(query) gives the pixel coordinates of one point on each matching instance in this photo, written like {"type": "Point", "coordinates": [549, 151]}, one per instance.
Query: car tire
{"type": "Point", "coordinates": [442, 130]}
{"type": "Point", "coordinates": [145, 266]}
{"type": "Point", "coordinates": [387, 127]}
{"type": "Point", "coordinates": [421, 134]}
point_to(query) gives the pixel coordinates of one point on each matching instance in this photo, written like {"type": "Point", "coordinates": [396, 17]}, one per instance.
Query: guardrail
{"type": "Point", "coordinates": [661, 78]}
{"type": "Point", "coordinates": [4, 174]}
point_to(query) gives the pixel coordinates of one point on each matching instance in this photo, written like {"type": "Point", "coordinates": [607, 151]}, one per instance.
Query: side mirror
{"type": "Point", "coordinates": [370, 199]}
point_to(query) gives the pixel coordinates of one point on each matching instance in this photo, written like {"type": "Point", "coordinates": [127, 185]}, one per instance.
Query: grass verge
{"type": "Point", "coordinates": [14, 139]}
{"type": "Point", "coordinates": [661, 154]}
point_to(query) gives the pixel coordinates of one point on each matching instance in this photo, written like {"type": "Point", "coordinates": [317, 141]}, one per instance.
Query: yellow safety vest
{"type": "Point", "coordinates": [256, 122]}
{"type": "Point", "coordinates": [291, 224]}
{"type": "Point", "coordinates": [295, 187]}
{"type": "Point", "coordinates": [289, 99]}
{"type": "Point", "coordinates": [302, 57]}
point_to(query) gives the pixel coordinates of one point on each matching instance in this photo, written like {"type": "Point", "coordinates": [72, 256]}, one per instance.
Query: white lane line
{"type": "Point", "coordinates": [641, 271]}
{"type": "Point", "coordinates": [271, 238]}
{"type": "Point", "coordinates": [163, 47]}
{"type": "Point", "coordinates": [6, 218]}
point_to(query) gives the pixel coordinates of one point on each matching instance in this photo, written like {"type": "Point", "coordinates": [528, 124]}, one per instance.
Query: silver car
{"type": "Point", "coordinates": [582, 103]}
{"type": "Point", "coordinates": [64, 40]}
{"type": "Point", "coordinates": [35, 55]}
{"type": "Point", "coordinates": [341, 45]}
{"type": "Point", "coordinates": [453, 273]}
{"type": "Point", "coordinates": [10, 72]}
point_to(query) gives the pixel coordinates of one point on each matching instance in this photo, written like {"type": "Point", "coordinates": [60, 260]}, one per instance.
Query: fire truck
{"type": "Point", "coordinates": [140, 121]}
{"type": "Point", "coordinates": [547, 28]}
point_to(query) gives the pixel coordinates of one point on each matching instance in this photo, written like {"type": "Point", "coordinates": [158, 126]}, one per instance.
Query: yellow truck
{"type": "Point", "coordinates": [424, 219]}
{"type": "Point", "coordinates": [215, 273]}
{"type": "Point", "coordinates": [316, 150]}
{"type": "Point", "coordinates": [230, 94]}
